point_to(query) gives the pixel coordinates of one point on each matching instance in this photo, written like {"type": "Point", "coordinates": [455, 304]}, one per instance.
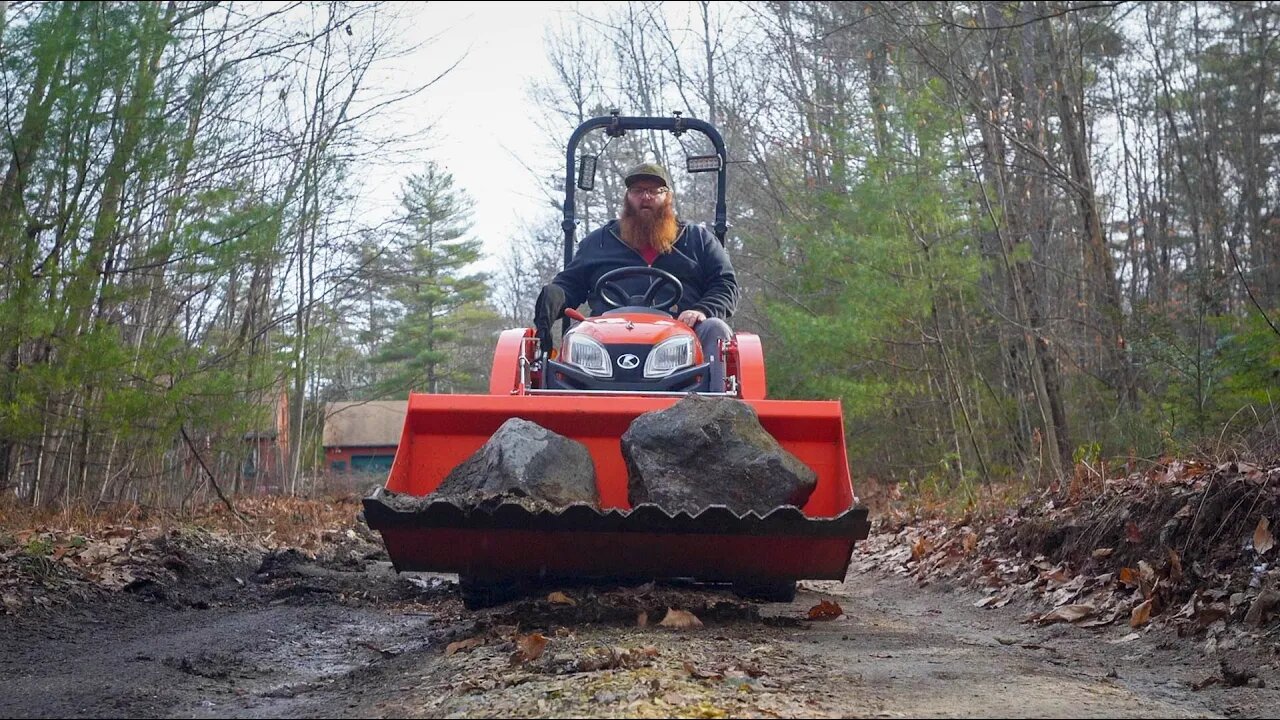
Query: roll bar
{"type": "Point", "coordinates": [617, 126]}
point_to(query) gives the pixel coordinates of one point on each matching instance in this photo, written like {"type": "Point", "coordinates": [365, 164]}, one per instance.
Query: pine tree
{"type": "Point", "coordinates": [425, 266]}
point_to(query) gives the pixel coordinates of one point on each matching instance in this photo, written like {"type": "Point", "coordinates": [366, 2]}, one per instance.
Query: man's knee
{"type": "Point", "coordinates": [711, 331]}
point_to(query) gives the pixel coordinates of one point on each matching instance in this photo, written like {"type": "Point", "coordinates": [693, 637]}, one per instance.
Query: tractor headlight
{"type": "Point", "coordinates": [587, 353]}
{"type": "Point", "coordinates": [669, 356]}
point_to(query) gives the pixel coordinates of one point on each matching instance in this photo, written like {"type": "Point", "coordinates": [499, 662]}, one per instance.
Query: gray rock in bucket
{"type": "Point", "coordinates": [523, 462]}
{"type": "Point", "coordinates": [706, 451]}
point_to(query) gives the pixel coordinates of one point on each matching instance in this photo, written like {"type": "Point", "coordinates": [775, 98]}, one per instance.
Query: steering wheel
{"type": "Point", "coordinates": [610, 290]}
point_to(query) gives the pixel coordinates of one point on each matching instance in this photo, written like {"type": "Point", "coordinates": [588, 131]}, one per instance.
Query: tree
{"type": "Point", "coordinates": [442, 309]}
{"type": "Point", "coordinates": [174, 180]}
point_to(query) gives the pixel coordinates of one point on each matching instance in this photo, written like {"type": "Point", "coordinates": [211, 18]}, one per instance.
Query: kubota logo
{"type": "Point", "coordinates": [628, 361]}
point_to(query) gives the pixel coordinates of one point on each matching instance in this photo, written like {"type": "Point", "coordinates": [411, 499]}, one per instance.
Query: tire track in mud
{"type": "Point", "coordinates": [324, 643]}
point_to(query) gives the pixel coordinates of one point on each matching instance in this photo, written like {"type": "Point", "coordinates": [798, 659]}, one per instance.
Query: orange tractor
{"type": "Point", "coordinates": [631, 360]}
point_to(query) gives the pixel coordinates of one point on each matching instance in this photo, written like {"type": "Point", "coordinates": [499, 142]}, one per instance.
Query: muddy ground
{"type": "Point", "coordinates": [340, 634]}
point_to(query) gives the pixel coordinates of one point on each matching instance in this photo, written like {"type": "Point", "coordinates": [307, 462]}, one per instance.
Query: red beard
{"type": "Point", "coordinates": [657, 229]}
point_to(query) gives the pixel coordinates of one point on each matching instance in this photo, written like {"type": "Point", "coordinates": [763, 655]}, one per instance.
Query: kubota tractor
{"type": "Point", "coordinates": [633, 359]}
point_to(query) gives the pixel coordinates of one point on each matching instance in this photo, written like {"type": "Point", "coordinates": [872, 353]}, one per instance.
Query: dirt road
{"type": "Point", "coordinates": [291, 638]}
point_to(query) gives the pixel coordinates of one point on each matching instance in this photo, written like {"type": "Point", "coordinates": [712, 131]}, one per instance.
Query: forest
{"type": "Point", "coordinates": [1010, 237]}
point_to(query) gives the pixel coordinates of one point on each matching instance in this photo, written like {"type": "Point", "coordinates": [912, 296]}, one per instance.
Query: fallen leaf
{"type": "Point", "coordinates": [1129, 577]}
{"type": "Point", "coordinates": [559, 598]}
{"type": "Point", "coordinates": [1058, 576]}
{"type": "Point", "coordinates": [1100, 621]}
{"type": "Point", "coordinates": [1127, 638]}
{"type": "Point", "coordinates": [1211, 680]}
{"type": "Point", "coordinates": [1211, 646]}
{"type": "Point", "coordinates": [825, 610]}
{"type": "Point", "coordinates": [1067, 613]}
{"type": "Point", "coordinates": [114, 578]}
{"type": "Point", "coordinates": [1175, 566]}
{"type": "Point", "coordinates": [1189, 607]}
{"type": "Point", "coordinates": [970, 542]}
{"type": "Point", "coordinates": [1261, 607]}
{"type": "Point", "coordinates": [1101, 553]}
{"type": "Point", "coordinates": [1262, 539]}
{"type": "Point", "coordinates": [699, 674]}
{"type": "Point", "coordinates": [463, 645]}
{"type": "Point", "coordinates": [680, 619]}
{"type": "Point", "coordinates": [921, 548]}
{"type": "Point", "coordinates": [1141, 615]}
{"type": "Point", "coordinates": [1132, 533]}
{"type": "Point", "coordinates": [1211, 613]}
{"type": "Point", "coordinates": [1068, 593]}
{"type": "Point", "coordinates": [528, 647]}
{"type": "Point", "coordinates": [612, 658]}
{"type": "Point", "coordinates": [674, 699]}
{"type": "Point", "coordinates": [1147, 575]}
{"type": "Point", "coordinates": [97, 552]}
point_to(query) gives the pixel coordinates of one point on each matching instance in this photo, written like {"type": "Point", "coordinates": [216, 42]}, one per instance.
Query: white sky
{"type": "Point", "coordinates": [484, 125]}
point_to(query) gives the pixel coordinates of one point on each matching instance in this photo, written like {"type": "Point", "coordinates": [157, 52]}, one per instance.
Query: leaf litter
{"type": "Point", "coordinates": [1184, 544]}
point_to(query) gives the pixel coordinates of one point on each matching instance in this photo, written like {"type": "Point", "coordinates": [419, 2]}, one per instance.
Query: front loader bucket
{"type": "Point", "coordinates": [615, 540]}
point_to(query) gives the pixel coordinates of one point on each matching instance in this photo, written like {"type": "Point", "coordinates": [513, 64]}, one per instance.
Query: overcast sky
{"type": "Point", "coordinates": [485, 127]}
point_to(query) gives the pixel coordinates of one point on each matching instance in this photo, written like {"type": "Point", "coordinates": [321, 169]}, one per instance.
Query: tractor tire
{"type": "Point", "coordinates": [773, 592]}
{"type": "Point", "coordinates": [480, 594]}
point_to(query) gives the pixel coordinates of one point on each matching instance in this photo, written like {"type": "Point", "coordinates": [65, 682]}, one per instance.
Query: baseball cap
{"type": "Point", "coordinates": [652, 171]}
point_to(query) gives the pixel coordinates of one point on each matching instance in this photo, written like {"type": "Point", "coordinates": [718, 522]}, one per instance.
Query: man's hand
{"type": "Point", "coordinates": [692, 317]}
{"type": "Point", "coordinates": [548, 308]}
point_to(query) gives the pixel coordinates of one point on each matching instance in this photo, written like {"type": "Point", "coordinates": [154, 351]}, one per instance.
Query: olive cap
{"type": "Point", "coordinates": [651, 171]}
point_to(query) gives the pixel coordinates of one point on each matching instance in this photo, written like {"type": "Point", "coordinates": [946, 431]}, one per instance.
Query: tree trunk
{"type": "Point", "coordinates": [1099, 274]}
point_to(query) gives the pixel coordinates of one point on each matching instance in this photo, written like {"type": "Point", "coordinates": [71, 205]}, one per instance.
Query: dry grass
{"type": "Point", "coordinates": [271, 520]}
{"type": "Point", "coordinates": [976, 501]}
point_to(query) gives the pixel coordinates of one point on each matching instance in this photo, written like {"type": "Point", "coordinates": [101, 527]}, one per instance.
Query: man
{"type": "Point", "coordinates": [649, 234]}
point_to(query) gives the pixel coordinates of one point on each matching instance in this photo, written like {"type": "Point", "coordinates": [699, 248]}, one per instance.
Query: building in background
{"type": "Point", "coordinates": [362, 436]}
{"type": "Point", "coordinates": [264, 463]}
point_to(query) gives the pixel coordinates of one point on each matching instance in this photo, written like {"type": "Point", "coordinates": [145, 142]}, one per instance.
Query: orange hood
{"type": "Point", "coordinates": [637, 329]}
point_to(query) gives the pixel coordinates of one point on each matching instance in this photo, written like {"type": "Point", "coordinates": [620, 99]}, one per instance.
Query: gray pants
{"type": "Point", "coordinates": [711, 332]}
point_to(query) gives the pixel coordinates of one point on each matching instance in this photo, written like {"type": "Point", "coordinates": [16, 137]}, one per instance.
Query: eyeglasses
{"type": "Point", "coordinates": [651, 192]}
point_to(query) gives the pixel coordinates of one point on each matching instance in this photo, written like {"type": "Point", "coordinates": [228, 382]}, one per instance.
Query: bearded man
{"type": "Point", "coordinates": [649, 233]}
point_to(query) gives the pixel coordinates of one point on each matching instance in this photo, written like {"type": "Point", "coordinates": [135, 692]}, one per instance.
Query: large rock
{"type": "Point", "coordinates": [526, 463]}
{"type": "Point", "coordinates": [711, 451]}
